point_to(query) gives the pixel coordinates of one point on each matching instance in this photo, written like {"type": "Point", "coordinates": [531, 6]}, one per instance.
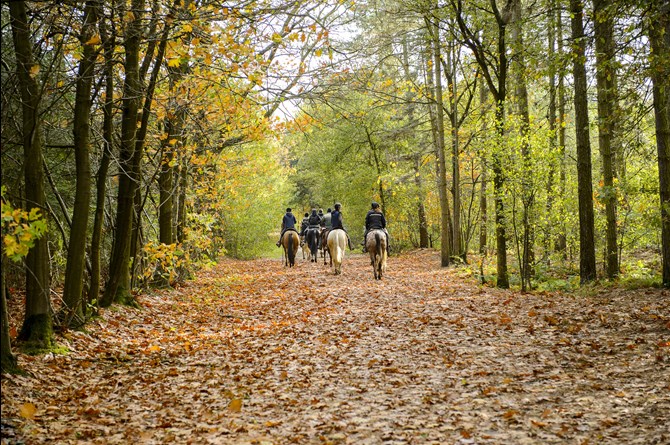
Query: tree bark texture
{"type": "Point", "coordinates": [607, 124]}
{"type": "Point", "coordinates": [527, 186]}
{"type": "Point", "coordinates": [37, 328]}
{"type": "Point", "coordinates": [587, 257]}
{"type": "Point", "coordinates": [101, 177]}
{"type": "Point", "coordinates": [659, 36]}
{"type": "Point", "coordinates": [445, 216]}
{"type": "Point", "coordinates": [118, 286]}
{"type": "Point", "coordinates": [73, 291]}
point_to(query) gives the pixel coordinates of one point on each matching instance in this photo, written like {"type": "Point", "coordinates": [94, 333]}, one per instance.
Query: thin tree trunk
{"type": "Point", "coordinates": [587, 256]}
{"type": "Point", "coordinates": [483, 215]}
{"type": "Point", "coordinates": [446, 229]}
{"type": "Point", "coordinates": [659, 37]}
{"type": "Point", "coordinates": [412, 123]}
{"type": "Point", "coordinates": [455, 154]}
{"type": "Point", "coordinates": [73, 291]}
{"type": "Point", "coordinates": [528, 192]}
{"type": "Point", "coordinates": [561, 239]}
{"type": "Point", "coordinates": [37, 329]}
{"type": "Point", "coordinates": [117, 289]}
{"type": "Point", "coordinates": [101, 179]}
{"type": "Point", "coordinates": [421, 209]}
{"type": "Point", "coordinates": [181, 205]}
{"type": "Point", "coordinates": [551, 118]}
{"type": "Point", "coordinates": [607, 124]}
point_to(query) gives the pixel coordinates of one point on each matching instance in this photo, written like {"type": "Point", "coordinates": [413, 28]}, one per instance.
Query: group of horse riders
{"type": "Point", "coordinates": [331, 220]}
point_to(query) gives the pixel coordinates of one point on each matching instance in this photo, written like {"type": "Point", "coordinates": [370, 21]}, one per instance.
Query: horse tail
{"type": "Point", "coordinates": [378, 244]}
{"type": "Point", "coordinates": [291, 253]}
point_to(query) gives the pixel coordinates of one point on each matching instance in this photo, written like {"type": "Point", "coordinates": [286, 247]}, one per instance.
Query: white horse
{"type": "Point", "coordinates": [337, 241]}
{"type": "Point", "coordinates": [375, 243]}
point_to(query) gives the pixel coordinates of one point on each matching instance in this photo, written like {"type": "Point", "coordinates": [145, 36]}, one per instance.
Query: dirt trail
{"type": "Point", "coordinates": [253, 353]}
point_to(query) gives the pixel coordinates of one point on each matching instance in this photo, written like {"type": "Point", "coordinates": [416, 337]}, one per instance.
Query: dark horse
{"type": "Point", "coordinates": [312, 241]}
{"type": "Point", "coordinates": [291, 242]}
{"type": "Point", "coordinates": [325, 252]}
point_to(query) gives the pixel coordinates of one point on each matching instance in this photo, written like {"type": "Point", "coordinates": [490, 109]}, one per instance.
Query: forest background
{"type": "Point", "coordinates": [143, 139]}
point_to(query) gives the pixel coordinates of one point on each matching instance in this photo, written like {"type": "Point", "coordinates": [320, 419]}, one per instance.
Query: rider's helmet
{"type": "Point", "coordinates": [375, 205]}
{"type": "Point", "coordinates": [288, 210]}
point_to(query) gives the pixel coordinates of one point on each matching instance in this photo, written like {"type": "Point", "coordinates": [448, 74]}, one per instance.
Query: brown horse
{"type": "Point", "coordinates": [375, 243]}
{"type": "Point", "coordinates": [291, 242]}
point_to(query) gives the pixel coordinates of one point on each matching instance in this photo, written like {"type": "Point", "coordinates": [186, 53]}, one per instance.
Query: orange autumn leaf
{"type": "Point", "coordinates": [28, 410]}
{"type": "Point", "coordinates": [235, 405]}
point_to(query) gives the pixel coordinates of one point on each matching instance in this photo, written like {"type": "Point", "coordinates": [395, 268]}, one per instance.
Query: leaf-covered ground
{"type": "Point", "coordinates": [254, 353]}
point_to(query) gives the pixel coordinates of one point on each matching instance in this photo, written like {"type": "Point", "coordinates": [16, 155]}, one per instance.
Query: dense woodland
{"type": "Point", "coordinates": [143, 140]}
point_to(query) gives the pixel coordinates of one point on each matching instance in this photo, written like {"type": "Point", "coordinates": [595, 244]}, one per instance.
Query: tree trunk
{"type": "Point", "coordinates": [551, 119]}
{"type": "Point", "coordinates": [455, 153]}
{"type": "Point", "coordinates": [483, 216]}
{"type": "Point", "coordinates": [118, 289]}
{"type": "Point", "coordinates": [37, 328]}
{"type": "Point", "coordinates": [527, 186]}
{"type": "Point", "coordinates": [181, 205]}
{"type": "Point", "coordinates": [421, 209]}
{"type": "Point", "coordinates": [587, 257]}
{"type": "Point", "coordinates": [416, 157]}
{"type": "Point", "coordinates": [659, 37]}
{"type": "Point", "coordinates": [101, 179]}
{"type": "Point", "coordinates": [73, 291]}
{"type": "Point", "coordinates": [607, 124]}
{"type": "Point", "coordinates": [561, 240]}
{"type": "Point", "coordinates": [445, 216]}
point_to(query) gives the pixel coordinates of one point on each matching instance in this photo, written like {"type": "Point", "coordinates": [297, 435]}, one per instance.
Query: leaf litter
{"type": "Point", "coordinates": [255, 353]}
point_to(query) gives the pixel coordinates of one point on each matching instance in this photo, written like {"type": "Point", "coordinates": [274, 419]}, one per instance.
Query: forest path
{"type": "Point", "coordinates": [254, 353]}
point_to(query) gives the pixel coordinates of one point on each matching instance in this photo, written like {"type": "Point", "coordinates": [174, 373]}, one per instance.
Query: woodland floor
{"type": "Point", "coordinates": [254, 353]}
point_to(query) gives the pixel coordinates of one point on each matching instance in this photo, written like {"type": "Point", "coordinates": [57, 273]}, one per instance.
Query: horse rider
{"type": "Point", "coordinates": [287, 223]}
{"type": "Point", "coordinates": [327, 219]}
{"type": "Point", "coordinates": [314, 222]}
{"type": "Point", "coordinates": [375, 220]}
{"type": "Point", "coordinates": [303, 226]}
{"type": "Point", "coordinates": [337, 222]}
{"type": "Point", "coordinates": [326, 224]}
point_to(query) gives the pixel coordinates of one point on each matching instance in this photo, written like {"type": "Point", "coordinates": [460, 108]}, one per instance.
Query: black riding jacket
{"type": "Point", "coordinates": [314, 219]}
{"type": "Point", "coordinates": [374, 220]}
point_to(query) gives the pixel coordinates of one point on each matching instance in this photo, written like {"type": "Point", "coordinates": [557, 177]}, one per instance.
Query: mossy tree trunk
{"type": "Point", "coordinates": [37, 330]}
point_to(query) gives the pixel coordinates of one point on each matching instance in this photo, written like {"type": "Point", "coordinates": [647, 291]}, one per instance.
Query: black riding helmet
{"type": "Point", "coordinates": [375, 205]}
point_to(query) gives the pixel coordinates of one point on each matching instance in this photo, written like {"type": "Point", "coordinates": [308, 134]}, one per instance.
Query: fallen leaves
{"type": "Point", "coordinates": [252, 352]}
